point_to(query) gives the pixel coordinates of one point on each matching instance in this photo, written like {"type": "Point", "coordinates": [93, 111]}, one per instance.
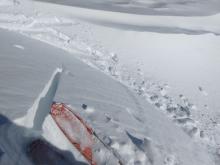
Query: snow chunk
{"type": "Point", "coordinates": [41, 108]}
{"type": "Point", "coordinates": [90, 110]}
{"type": "Point", "coordinates": [19, 46]}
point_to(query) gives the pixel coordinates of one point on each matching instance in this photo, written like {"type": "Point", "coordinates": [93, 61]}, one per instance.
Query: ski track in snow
{"type": "Point", "coordinates": [47, 29]}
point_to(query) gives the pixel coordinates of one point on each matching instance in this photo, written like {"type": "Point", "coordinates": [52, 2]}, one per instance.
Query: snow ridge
{"type": "Point", "coordinates": [36, 115]}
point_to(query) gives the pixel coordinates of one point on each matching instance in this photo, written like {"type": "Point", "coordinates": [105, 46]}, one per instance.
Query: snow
{"type": "Point", "coordinates": [106, 101]}
{"type": "Point", "coordinates": [29, 127]}
{"type": "Point", "coordinates": [19, 47]}
{"type": "Point", "coordinates": [177, 24]}
{"type": "Point", "coordinates": [41, 108]}
{"type": "Point", "coordinates": [5, 3]}
{"type": "Point", "coordinates": [148, 7]}
{"type": "Point", "coordinates": [150, 82]}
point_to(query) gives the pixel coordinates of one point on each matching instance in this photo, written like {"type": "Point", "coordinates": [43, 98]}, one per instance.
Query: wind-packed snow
{"type": "Point", "coordinates": [148, 84]}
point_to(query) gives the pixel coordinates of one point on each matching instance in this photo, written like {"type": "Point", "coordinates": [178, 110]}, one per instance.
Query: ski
{"type": "Point", "coordinates": [79, 133]}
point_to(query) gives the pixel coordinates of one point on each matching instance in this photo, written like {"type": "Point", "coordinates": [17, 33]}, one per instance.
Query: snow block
{"type": "Point", "coordinates": [40, 109]}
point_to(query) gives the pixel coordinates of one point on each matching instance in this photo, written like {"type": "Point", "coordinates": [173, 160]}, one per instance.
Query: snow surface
{"type": "Point", "coordinates": [153, 7]}
{"type": "Point", "coordinates": [172, 62]}
{"type": "Point", "coordinates": [146, 140]}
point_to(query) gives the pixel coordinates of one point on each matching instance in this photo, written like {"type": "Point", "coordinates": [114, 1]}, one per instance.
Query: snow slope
{"type": "Point", "coordinates": [177, 24]}
{"type": "Point", "coordinates": [146, 140]}
{"type": "Point", "coordinates": [122, 46]}
{"type": "Point", "coordinates": [146, 7]}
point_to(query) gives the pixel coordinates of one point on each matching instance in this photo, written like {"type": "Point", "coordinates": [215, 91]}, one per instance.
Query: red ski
{"type": "Point", "coordinates": [81, 135]}
{"type": "Point", "coordinates": [77, 131]}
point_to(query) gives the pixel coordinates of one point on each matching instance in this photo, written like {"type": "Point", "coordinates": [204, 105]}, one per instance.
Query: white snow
{"type": "Point", "coordinates": [165, 59]}
{"type": "Point", "coordinates": [152, 7]}
{"type": "Point", "coordinates": [19, 46]}
{"type": "Point", "coordinates": [41, 108]}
